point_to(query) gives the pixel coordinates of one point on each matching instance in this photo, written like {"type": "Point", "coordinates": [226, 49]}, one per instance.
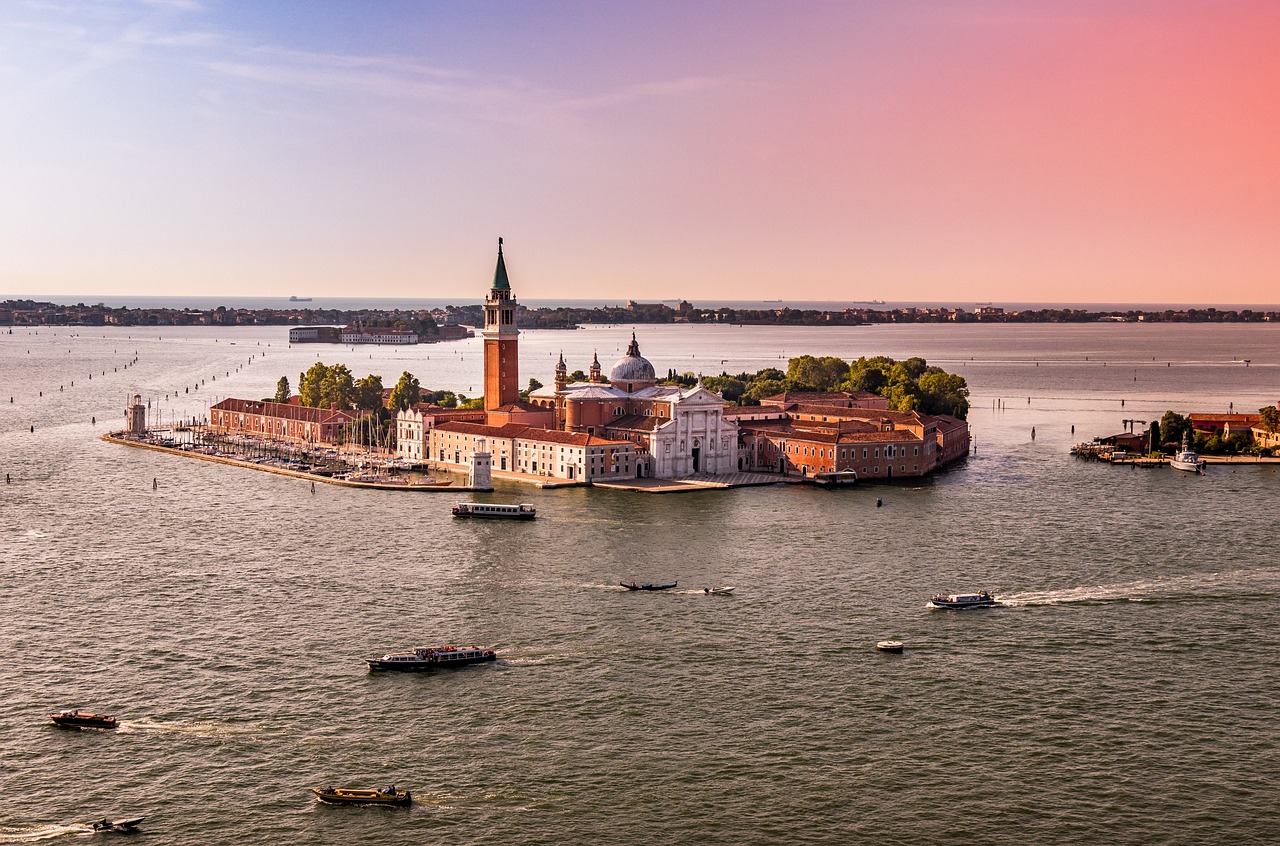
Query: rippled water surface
{"type": "Point", "coordinates": [1127, 694]}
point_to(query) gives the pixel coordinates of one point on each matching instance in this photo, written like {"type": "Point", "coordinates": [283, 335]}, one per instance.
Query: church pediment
{"type": "Point", "coordinates": [701, 396]}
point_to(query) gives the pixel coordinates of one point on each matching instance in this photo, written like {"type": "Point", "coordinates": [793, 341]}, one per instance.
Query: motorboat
{"type": "Point", "coordinates": [634, 586]}
{"type": "Point", "coordinates": [431, 658]}
{"type": "Point", "coordinates": [120, 826]}
{"type": "Point", "coordinates": [890, 646]}
{"type": "Point", "coordinates": [360, 796]}
{"type": "Point", "coordinates": [83, 719]}
{"type": "Point", "coordinates": [960, 601]}
{"type": "Point", "coordinates": [724, 590]}
{"type": "Point", "coordinates": [1186, 459]}
{"type": "Point", "coordinates": [495, 510]}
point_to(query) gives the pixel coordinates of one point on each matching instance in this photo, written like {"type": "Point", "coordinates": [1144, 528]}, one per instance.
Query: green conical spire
{"type": "Point", "coordinates": [500, 282]}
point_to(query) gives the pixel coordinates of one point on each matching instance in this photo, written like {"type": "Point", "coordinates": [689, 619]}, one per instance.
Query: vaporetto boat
{"type": "Point", "coordinates": [495, 510]}
{"type": "Point", "coordinates": [424, 658]}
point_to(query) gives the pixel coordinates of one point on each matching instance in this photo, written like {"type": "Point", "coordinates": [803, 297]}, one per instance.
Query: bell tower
{"type": "Point", "coordinates": [501, 353]}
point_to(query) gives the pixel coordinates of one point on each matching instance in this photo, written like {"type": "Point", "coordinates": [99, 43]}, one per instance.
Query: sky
{"type": "Point", "coordinates": [985, 150]}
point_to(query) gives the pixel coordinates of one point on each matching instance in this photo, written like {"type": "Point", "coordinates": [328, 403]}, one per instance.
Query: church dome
{"type": "Point", "coordinates": [632, 367]}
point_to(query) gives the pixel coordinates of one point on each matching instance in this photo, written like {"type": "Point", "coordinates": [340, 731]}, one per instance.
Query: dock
{"type": "Point", "coordinates": [125, 439]}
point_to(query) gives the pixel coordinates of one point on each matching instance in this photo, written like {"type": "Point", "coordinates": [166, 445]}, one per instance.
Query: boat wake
{"type": "Point", "coordinates": [34, 534]}
{"type": "Point", "coordinates": [1199, 587]}
{"type": "Point", "coordinates": [40, 832]}
{"type": "Point", "coordinates": [207, 728]}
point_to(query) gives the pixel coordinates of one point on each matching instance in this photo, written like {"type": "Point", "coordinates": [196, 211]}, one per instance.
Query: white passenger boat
{"type": "Point", "coordinates": [495, 510]}
{"type": "Point", "coordinates": [959, 601]}
{"type": "Point", "coordinates": [1187, 460]}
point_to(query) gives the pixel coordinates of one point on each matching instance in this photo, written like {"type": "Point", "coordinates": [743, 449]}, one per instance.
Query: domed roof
{"type": "Point", "coordinates": [632, 367]}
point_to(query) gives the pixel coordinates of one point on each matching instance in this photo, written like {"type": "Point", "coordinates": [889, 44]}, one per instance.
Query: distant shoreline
{"type": "Point", "coordinates": [16, 313]}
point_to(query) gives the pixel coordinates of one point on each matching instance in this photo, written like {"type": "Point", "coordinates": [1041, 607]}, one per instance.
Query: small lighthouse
{"type": "Point", "coordinates": [480, 476]}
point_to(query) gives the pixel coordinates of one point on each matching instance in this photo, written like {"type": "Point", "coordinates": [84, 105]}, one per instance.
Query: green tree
{"type": "Point", "coordinates": [1153, 437]}
{"type": "Point", "coordinates": [761, 388]}
{"type": "Point", "coordinates": [869, 374]}
{"type": "Point", "coordinates": [943, 393]}
{"type": "Point", "coordinates": [311, 385]}
{"type": "Point", "coordinates": [406, 393]}
{"type": "Point", "coordinates": [1172, 427]}
{"type": "Point", "coordinates": [367, 393]}
{"type": "Point", "coordinates": [1270, 418]}
{"type": "Point", "coordinates": [577, 376]}
{"type": "Point", "coordinates": [282, 390]}
{"type": "Point", "coordinates": [728, 387]}
{"type": "Point", "coordinates": [338, 387]}
{"type": "Point", "coordinates": [816, 374]}
{"type": "Point", "coordinates": [534, 384]}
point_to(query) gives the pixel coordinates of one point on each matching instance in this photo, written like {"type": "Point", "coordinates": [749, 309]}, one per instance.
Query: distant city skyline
{"type": "Point", "coordinates": [1065, 152]}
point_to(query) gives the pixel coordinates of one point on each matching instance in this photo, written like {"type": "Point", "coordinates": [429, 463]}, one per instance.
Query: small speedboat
{"type": "Point", "coordinates": [120, 826]}
{"type": "Point", "coordinates": [959, 601]}
{"type": "Point", "coordinates": [634, 586]}
{"type": "Point", "coordinates": [359, 796]}
{"type": "Point", "coordinates": [83, 719]}
{"type": "Point", "coordinates": [889, 646]}
{"type": "Point", "coordinates": [724, 590]}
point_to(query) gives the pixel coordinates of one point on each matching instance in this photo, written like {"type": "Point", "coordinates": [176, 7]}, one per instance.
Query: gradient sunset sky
{"type": "Point", "coordinates": [923, 151]}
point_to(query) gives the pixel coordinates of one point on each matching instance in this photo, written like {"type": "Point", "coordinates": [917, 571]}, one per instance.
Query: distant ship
{"type": "Point", "coordinates": [299, 299]}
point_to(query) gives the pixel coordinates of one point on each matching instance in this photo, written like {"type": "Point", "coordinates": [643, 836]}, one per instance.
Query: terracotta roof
{"type": "Point", "coordinates": [513, 407]}
{"type": "Point", "coordinates": [820, 397]}
{"type": "Point", "coordinates": [569, 438]}
{"type": "Point", "coordinates": [1234, 419]}
{"type": "Point", "coordinates": [511, 430]}
{"type": "Point", "coordinates": [637, 422]}
{"type": "Point", "coordinates": [286, 411]}
{"type": "Point", "coordinates": [946, 422]}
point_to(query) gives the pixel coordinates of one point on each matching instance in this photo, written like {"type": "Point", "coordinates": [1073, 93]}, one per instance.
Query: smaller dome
{"type": "Point", "coordinates": [632, 367]}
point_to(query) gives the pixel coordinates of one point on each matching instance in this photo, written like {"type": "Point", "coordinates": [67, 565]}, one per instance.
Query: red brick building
{"type": "Point", "coordinates": [284, 421]}
{"type": "Point", "coordinates": [815, 437]}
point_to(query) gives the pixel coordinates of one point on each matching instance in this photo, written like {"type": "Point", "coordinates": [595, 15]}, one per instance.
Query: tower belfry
{"type": "Point", "coordinates": [501, 347]}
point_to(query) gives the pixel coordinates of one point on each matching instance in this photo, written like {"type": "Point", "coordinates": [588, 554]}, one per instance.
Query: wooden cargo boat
{"type": "Point", "coordinates": [360, 796]}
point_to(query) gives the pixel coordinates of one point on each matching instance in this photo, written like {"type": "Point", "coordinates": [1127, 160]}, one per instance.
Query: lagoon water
{"type": "Point", "coordinates": [1126, 695]}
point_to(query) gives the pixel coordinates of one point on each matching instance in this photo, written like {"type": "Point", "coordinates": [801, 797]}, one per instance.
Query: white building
{"type": "Point", "coordinates": [679, 431]}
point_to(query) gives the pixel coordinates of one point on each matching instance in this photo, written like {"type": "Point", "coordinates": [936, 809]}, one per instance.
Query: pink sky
{"type": "Point", "coordinates": [984, 151]}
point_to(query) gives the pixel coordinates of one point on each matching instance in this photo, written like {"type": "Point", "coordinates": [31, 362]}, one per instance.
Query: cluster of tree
{"type": "Point", "coordinates": [911, 385]}
{"type": "Point", "coordinates": [1167, 434]}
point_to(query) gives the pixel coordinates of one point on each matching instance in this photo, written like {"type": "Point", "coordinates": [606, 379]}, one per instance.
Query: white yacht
{"type": "Point", "coordinates": [1186, 459]}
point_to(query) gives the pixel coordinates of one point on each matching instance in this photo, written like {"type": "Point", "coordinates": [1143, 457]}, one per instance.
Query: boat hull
{"type": "Point", "coordinates": [427, 665]}
{"type": "Point", "coordinates": [83, 721]}
{"type": "Point", "coordinates": [352, 796]}
{"type": "Point", "coordinates": [634, 586]}
{"type": "Point", "coordinates": [960, 606]}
